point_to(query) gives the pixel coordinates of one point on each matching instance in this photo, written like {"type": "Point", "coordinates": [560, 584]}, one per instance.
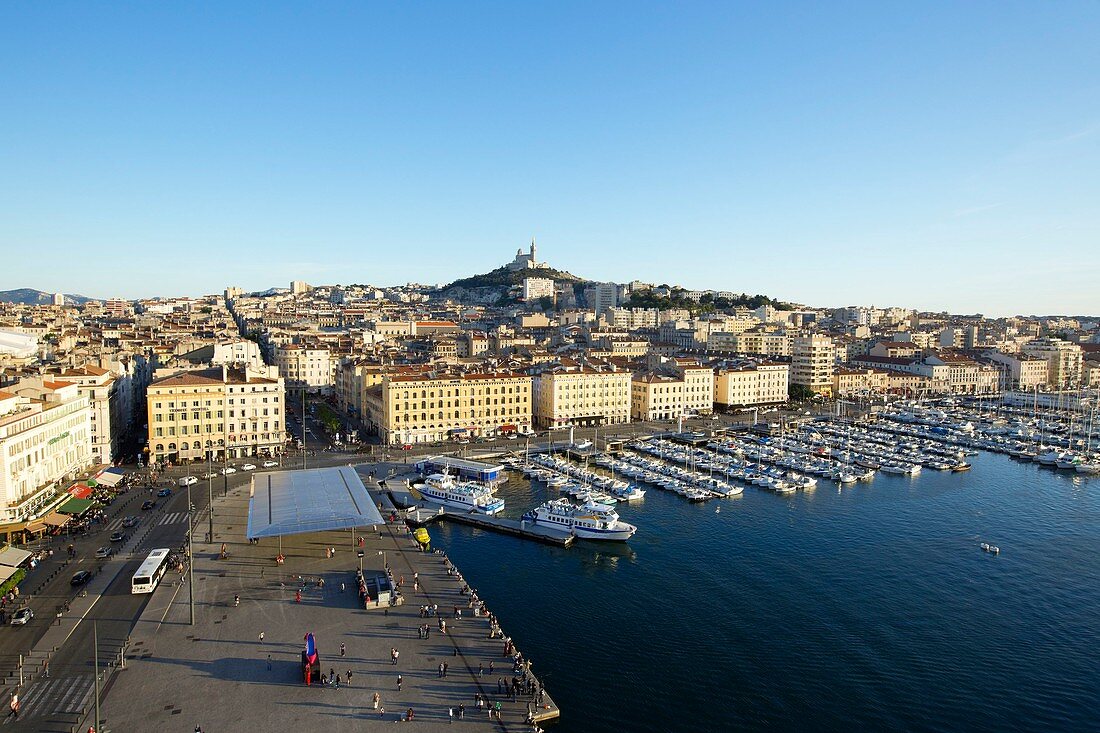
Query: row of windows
{"type": "Point", "coordinates": [424, 393]}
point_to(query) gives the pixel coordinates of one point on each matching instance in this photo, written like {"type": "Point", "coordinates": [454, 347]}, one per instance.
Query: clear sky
{"type": "Point", "coordinates": [944, 156]}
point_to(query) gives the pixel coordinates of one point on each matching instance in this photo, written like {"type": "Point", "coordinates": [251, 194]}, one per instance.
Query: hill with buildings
{"type": "Point", "coordinates": [30, 296]}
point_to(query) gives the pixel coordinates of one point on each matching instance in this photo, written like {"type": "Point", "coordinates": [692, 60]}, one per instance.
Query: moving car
{"type": "Point", "coordinates": [104, 552]}
{"type": "Point", "coordinates": [148, 504]}
{"type": "Point", "coordinates": [118, 537]}
{"type": "Point", "coordinates": [270, 464]}
{"type": "Point", "coordinates": [80, 577]}
{"type": "Point", "coordinates": [249, 467]}
{"type": "Point", "coordinates": [130, 522]}
{"type": "Point", "coordinates": [21, 617]}
{"type": "Point", "coordinates": [164, 492]}
{"type": "Point", "coordinates": [228, 470]}
{"type": "Point", "coordinates": [188, 481]}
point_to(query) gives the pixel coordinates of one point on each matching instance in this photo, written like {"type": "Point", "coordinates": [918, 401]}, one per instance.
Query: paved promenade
{"type": "Point", "coordinates": [220, 675]}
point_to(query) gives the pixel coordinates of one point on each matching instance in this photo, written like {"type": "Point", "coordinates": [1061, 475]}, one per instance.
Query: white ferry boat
{"type": "Point", "coordinates": [443, 489]}
{"type": "Point", "coordinates": [590, 521]}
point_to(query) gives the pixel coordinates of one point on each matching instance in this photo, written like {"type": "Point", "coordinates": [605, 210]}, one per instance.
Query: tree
{"type": "Point", "coordinates": [800, 393]}
{"type": "Point", "coordinates": [546, 302]}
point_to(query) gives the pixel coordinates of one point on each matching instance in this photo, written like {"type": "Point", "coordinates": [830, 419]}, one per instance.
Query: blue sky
{"type": "Point", "coordinates": [944, 156]}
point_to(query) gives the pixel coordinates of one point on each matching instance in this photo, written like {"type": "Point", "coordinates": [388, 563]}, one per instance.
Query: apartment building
{"type": "Point", "coordinates": [581, 395]}
{"type": "Point", "coordinates": [430, 408]}
{"type": "Point", "coordinates": [851, 381]}
{"type": "Point", "coordinates": [537, 287]}
{"type": "Point", "coordinates": [110, 418]}
{"type": "Point", "coordinates": [751, 384]}
{"type": "Point", "coordinates": [45, 439]}
{"type": "Point", "coordinates": [309, 366]}
{"type": "Point", "coordinates": [669, 392]}
{"type": "Point", "coordinates": [1064, 361]}
{"type": "Point", "coordinates": [1019, 371]}
{"type": "Point", "coordinates": [221, 412]}
{"type": "Point", "coordinates": [813, 359]}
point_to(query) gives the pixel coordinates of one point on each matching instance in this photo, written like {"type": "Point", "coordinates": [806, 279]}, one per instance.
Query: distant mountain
{"type": "Point", "coordinates": [30, 296]}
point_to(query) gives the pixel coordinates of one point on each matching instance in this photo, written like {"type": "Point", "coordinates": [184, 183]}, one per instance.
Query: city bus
{"type": "Point", "coordinates": [151, 571]}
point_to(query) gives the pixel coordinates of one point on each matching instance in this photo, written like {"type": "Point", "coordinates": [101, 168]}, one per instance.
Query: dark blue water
{"type": "Point", "coordinates": [869, 608]}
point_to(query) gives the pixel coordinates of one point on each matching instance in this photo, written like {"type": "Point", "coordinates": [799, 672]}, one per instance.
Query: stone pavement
{"type": "Point", "coordinates": [220, 675]}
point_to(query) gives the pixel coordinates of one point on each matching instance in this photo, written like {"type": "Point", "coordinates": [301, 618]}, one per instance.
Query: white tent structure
{"type": "Point", "coordinates": [314, 500]}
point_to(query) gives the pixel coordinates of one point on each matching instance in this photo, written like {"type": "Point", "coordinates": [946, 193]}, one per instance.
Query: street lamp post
{"type": "Point", "coordinates": [210, 494]}
{"type": "Point", "coordinates": [190, 556]}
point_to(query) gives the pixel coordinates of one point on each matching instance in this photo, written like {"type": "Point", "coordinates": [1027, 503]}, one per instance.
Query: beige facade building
{"type": "Point", "coordinates": [1019, 371]}
{"type": "Point", "coordinates": [666, 395]}
{"type": "Point", "coordinates": [537, 287]}
{"type": "Point", "coordinates": [751, 384]}
{"type": "Point", "coordinates": [581, 395]}
{"type": "Point", "coordinates": [218, 413]}
{"type": "Point", "coordinates": [109, 417]}
{"type": "Point", "coordinates": [1063, 359]}
{"type": "Point", "coordinates": [849, 382]}
{"type": "Point", "coordinates": [426, 409]}
{"type": "Point", "coordinates": [308, 366]}
{"type": "Point", "coordinates": [813, 360]}
{"type": "Point", "coordinates": [45, 439]}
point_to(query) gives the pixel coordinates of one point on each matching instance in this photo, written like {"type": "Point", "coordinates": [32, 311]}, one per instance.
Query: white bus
{"type": "Point", "coordinates": [151, 571]}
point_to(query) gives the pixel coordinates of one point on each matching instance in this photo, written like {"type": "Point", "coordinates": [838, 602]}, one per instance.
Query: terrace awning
{"type": "Point", "coordinates": [314, 500]}
{"type": "Point", "coordinates": [110, 477]}
{"type": "Point", "coordinates": [75, 506]}
{"type": "Point", "coordinates": [54, 519]}
{"type": "Point", "coordinates": [13, 556]}
{"type": "Point", "coordinates": [80, 491]}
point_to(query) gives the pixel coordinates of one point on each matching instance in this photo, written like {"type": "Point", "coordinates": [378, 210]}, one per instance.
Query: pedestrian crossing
{"type": "Point", "coordinates": [55, 696]}
{"type": "Point", "coordinates": [169, 518]}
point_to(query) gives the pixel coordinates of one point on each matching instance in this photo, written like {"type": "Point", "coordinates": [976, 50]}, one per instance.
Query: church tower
{"type": "Point", "coordinates": [533, 260]}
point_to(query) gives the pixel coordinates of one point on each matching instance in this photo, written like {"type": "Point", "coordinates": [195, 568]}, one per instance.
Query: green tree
{"type": "Point", "coordinates": [800, 393]}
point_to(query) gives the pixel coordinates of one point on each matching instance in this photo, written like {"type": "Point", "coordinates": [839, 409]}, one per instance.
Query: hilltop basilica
{"type": "Point", "coordinates": [526, 261]}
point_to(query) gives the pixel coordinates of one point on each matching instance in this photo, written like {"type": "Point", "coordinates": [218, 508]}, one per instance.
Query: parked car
{"type": "Point", "coordinates": [118, 537]}
{"type": "Point", "coordinates": [80, 577]}
{"type": "Point", "coordinates": [104, 552]}
{"type": "Point", "coordinates": [148, 504]}
{"type": "Point", "coordinates": [22, 617]}
{"type": "Point", "coordinates": [130, 522]}
{"type": "Point", "coordinates": [249, 467]}
{"type": "Point", "coordinates": [188, 481]}
{"type": "Point", "coordinates": [228, 470]}
{"type": "Point", "coordinates": [210, 475]}
{"type": "Point", "coordinates": [270, 464]}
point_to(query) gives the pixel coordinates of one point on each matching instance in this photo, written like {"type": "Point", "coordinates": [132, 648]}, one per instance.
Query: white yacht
{"type": "Point", "coordinates": [443, 489]}
{"type": "Point", "coordinates": [590, 521]}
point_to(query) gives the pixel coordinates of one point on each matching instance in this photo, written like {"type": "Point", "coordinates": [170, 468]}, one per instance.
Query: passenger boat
{"type": "Point", "coordinates": [441, 488]}
{"type": "Point", "coordinates": [589, 521]}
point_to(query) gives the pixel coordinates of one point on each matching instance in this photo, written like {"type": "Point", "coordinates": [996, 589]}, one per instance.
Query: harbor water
{"type": "Point", "coordinates": [869, 607]}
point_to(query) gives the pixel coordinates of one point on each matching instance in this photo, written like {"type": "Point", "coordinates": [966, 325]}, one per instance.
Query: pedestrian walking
{"type": "Point", "coordinates": [445, 668]}
{"type": "Point", "coordinates": [376, 700]}
{"type": "Point", "coordinates": [480, 669]}
{"type": "Point", "coordinates": [343, 651]}
{"type": "Point", "coordinates": [490, 667]}
{"type": "Point", "coordinates": [450, 715]}
{"type": "Point", "coordinates": [461, 710]}
{"type": "Point", "coordinates": [349, 678]}
{"type": "Point", "coordinates": [268, 662]}
{"type": "Point", "coordinates": [441, 670]}
{"type": "Point", "coordinates": [400, 679]}
{"type": "Point", "coordinates": [261, 637]}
